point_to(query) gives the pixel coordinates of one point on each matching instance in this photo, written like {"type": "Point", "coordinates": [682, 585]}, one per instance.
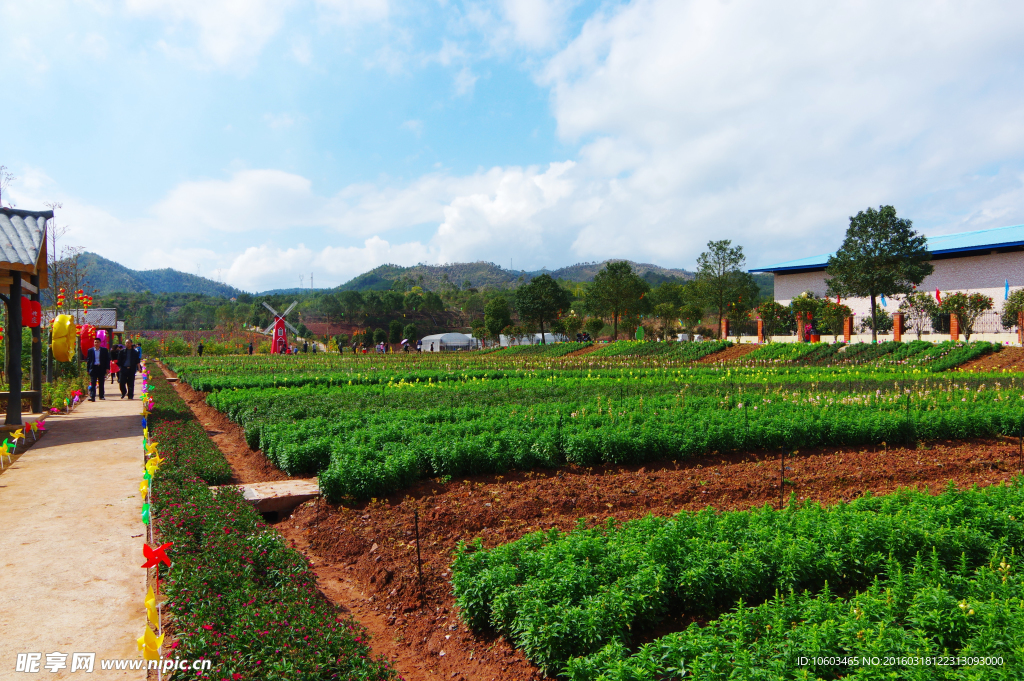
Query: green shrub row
{"type": "Point", "coordinates": [562, 596]}
{"type": "Point", "coordinates": [363, 454]}
{"type": "Point", "coordinates": [907, 625]}
{"type": "Point", "coordinates": [236, 593]}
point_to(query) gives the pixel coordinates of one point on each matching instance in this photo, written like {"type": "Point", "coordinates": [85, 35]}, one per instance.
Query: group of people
{"type": "Point", "coordinates": [124, 361]}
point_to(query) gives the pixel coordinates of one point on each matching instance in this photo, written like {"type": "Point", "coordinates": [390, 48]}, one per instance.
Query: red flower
{"type": "Point", "coordinates": [236, 676]}
{"type": "Point", "coordinates": [208, 627]}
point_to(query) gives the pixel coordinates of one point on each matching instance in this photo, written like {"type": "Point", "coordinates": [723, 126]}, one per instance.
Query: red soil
{"type": "Point", "coordinates": [1011, 359]}
{"type": "Point", "coordinates": [365, 556]}
{"type": "Point", "coordinates": [729, 354]}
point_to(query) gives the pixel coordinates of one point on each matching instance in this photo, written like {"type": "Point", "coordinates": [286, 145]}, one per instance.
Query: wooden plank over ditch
{"type": "Point", "coordinates": [279, 495]}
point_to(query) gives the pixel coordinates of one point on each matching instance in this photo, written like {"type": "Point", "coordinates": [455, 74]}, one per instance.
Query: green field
{"type": "Point", "coordinates": [894, 574]}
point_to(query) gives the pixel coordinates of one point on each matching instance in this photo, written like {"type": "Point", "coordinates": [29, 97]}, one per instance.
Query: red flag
{"type": "Point", "coordinates": [837, 300]}
{"type": "Point", "coordinates": [938, 296]}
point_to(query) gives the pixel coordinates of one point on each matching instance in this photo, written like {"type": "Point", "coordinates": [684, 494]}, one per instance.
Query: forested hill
{"type": "Point", "coordinates": [109, 276]}
{"type": "Point", "coordinates": [480, 274]}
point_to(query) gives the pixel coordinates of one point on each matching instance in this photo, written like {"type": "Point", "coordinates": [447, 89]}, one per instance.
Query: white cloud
{"type": "Point", "coordinates": [277, 121]}
{"type": "Point", "coordinates": [354, 12]}
{"type": "Point", "coordinates": [413, 126]}
{"type": "Point", "coordinates": [464, 82]}
{"type": "Point", "coordinates": [229, 33]}
{"type": "Point", "coordinates": [771, 124]}
{"type": "Point", "coordinates": [537, 24]}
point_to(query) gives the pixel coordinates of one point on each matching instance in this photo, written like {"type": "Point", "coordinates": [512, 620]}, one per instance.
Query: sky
{"type": "Point", "coordinates": [264, 142]}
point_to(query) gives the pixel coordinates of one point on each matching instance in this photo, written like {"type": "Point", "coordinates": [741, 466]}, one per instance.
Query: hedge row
{"type": "Point", "coordinates": [236, 593]}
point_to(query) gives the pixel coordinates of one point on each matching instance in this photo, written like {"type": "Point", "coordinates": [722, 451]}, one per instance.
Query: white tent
{"type": "Point", "coordinates": [532, 339]}
{"type": "Point", "coordinates": [449, 341]}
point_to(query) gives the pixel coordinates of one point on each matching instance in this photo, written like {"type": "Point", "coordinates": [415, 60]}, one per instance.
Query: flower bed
{"type": "Point", "coordinates": [236, 593]}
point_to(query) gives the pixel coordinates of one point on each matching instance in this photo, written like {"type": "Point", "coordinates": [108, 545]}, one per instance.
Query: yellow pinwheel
{"type": "Point", "coordinates": [143, 487]}
{"type": "Point", "coordinates": [18, 434]}
{"type": "Point", "coordinates": [149, 643]}
{"type": "Point", "coordinates": [151, 612]}
{"type": "Point", "coordinates": [151, 448]}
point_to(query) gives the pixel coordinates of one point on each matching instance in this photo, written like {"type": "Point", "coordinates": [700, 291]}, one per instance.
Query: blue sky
{"type": "Point", "coordinates": [259, 140]}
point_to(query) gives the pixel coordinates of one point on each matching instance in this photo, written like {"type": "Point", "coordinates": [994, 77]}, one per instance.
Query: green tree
{"type": "Point", "coordinates": [881, 318]}
{"type": "Point", "coordinates": [721, 280]}
{"type": "Point", "coordinates": [573, 323]}
{"type": "Point", "coordinates": [968, 308]}
{"type": "Point", "coordinates": [774, 317]}
{"type": "Point", "coordinates": [410, 332]}
{"type": "Point", "coordinates": [1013, 306]}
{"type": "Point", "coordinates": [395, 332]}
{"type": "Point", "coordinates": [542, 300]}
{"type": "Point", "coordinates": [881, 255]}
{"type": "Point", "coordinates": [594, 326]}
{"type": "Point", "coordinates": [918, 309]}
{"type": "Point", "coordinates": [379, 336]}
{"type": "Point", "coordinates": [497, 316]}
{"type": "Point", "coordinates": [617, 291]}
{"type": "Point", "coordinates": [342, 341]}
{"type": "Point", "coordinates": [832, 315]}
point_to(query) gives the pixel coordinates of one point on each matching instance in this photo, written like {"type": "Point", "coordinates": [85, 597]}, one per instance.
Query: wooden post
{"type": "Point", "coordinates": [954, 328]}
{"type": "Point", "coordinates": [1020, 327]}
{"type": "Point", "coordinates": [14, 351]}
{"type": "Point", "coordinates": [760, 332]}
{"type": "Point", "coordinates": [847, 329]}
{"type": "Point", "coordinates": [897, 326]}
{"type": "Point", "coordinates": [37, 357]}
{"type": "Point", "coordinates": [799, 326]}
{"type": "Point", "coordinates": [725, 328]}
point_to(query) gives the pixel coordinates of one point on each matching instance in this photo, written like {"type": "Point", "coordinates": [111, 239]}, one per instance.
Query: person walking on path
{"type": "Point", "coordinates": [97, 363]}
{"type": "Point", "coordinates": [129, 363]}
{"type": "Point", "coordinates": [250, 347]}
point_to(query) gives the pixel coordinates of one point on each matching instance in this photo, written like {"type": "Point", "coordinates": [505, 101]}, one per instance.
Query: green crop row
{"type": "Point", "coordinates": [371, 452]}
{"type": "Point", "coordinates": [547, 350]}
{"type": "Point", "coordinates": [559, 596]}
{"type": "Point", "coordinates": [931, 622]}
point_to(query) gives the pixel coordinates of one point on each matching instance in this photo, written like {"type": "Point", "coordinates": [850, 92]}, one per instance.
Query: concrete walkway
{"type": "Point", "coordinates": [71, 540]}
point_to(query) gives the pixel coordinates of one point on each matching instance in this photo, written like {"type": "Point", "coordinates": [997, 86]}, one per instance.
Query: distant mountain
{"type": "Point", "coordinates": [109, 277]}
{"type": "Point", "coordinates": [481, 274]}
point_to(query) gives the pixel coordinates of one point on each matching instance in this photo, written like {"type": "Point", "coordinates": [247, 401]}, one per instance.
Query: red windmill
{"type": "Point", "coordinates": [279, 337]}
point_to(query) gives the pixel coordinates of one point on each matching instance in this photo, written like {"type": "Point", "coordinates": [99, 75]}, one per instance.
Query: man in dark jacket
{"type": "Point", "coordinates": [97, 363]}
{"type": "Point", "coordinates": [128, 360]}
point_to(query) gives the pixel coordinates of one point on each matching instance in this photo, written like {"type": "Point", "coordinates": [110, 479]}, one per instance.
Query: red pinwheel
{"type": "Point", "coordinates": [155, 556]}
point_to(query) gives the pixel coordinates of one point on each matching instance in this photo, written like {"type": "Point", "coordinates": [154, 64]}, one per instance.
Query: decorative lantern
{"type": "Point", "coordinates": [64, 332]}
{"type": "Point", "coordinates": [31, 312]}
{"type": "Point", "coordinates": [86, 335]}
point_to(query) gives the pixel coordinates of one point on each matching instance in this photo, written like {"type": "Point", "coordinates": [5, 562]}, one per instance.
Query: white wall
{"type": "Point", "coordinates": [980, 273]}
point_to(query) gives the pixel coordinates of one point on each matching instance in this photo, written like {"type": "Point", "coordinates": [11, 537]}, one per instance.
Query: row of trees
{"type": "Point", "coordinates": [619, 295]}
{"type": "Point", "coordinates": [920, 311]}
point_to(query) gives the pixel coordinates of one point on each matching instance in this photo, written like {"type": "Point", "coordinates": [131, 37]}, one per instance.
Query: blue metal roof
{"type": "Point", "coordinates": [982, 240]}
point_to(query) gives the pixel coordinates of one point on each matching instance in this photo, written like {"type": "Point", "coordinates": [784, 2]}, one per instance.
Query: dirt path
{"type": "Point", "coordinates": [729, 354]}
{"type": "Point", "coordinates": [71, 538]}
{"type": "Point", "coordinates": [246, 465]}
{"type": "Point", "coordinates": [1011, 359]}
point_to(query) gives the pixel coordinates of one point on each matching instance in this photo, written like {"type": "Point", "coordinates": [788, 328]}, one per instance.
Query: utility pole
{"type": "Point", "coordinates": [310, 281]}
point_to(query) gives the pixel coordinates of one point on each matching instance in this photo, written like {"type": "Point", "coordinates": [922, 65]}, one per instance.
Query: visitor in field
{"type": "Point", "coordinates": [419, 345]}
{"type": "Point", "coordinates": [305, 346]}
{"type": "Point", "coordinates": [114, 353]}
{"type": "Point", "coordinates": [199, 348]}
{"type": "Point", "coordinates": [250, 347]}
{"type": "Point", "coordinates": [128, 361]}
{"type": "Point", "coordinates": [97, 363]}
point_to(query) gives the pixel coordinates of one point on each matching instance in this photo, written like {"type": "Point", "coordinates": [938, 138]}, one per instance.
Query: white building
{"type": "Point", "coordinates": [989, 261]}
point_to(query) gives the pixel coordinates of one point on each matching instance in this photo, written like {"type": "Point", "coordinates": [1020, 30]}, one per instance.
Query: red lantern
{"type": "Point", "coordinates": [31, 312]}
{"type": "Point", "coordinates": [86, 334]}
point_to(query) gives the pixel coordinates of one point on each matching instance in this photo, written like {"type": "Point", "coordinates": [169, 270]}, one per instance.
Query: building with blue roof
{"type": "Point", "coordinates": [989, 261]}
